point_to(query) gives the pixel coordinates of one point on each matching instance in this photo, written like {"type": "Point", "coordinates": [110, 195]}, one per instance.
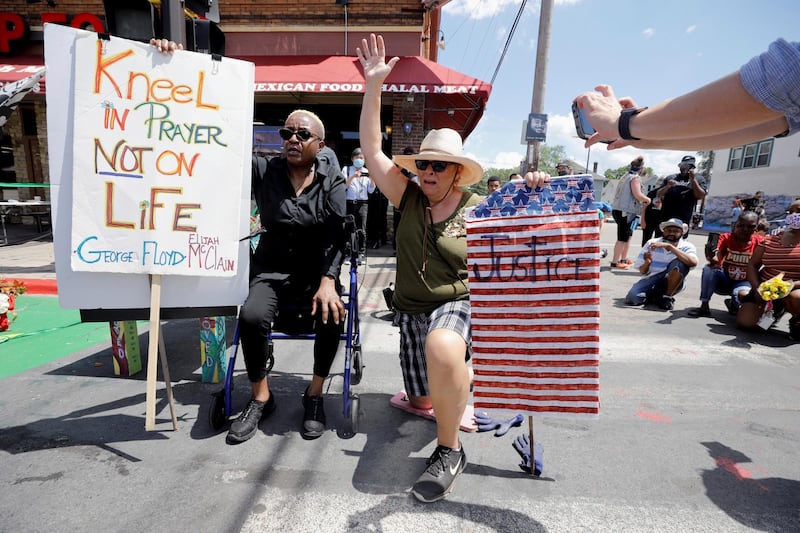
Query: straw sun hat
{"type": "Point", "coordinates": [443, 145]}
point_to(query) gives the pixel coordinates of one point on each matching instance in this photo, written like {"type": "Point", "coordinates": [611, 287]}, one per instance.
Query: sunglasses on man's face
{"type": "Point", "coordinates": [438, 166]}
{"type": "Point", "coordinates": [302, 135]}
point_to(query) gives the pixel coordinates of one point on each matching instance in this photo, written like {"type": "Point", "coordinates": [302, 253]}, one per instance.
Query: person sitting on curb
{"type": "Point", "coordinates": [726, 271]}
{"type": "Point", "coordinates": [664, 263]}
{"type": "Point", "coordinates": [777, 254]}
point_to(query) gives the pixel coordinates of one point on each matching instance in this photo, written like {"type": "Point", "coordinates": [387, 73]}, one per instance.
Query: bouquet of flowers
{"type": "Point", "coordinates": [9, 289]}
{"type": "Point", "coordinates": [774, 288]}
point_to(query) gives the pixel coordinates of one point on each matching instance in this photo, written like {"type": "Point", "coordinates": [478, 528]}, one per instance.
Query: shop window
{"type": "Point", "coordinates": [28, 120]}
{"type": "Point", "coordinates": [735, 161]}
{"type": "Point", "coordinates": [751, 155]}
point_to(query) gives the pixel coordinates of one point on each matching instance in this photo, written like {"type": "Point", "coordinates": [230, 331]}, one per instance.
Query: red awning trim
{"type": "Point", "coordinates": [16, 68]}
{"type": "Point", "coordinates": [342, 74]}
{"type": "Point", "coordinates": [454, 100]}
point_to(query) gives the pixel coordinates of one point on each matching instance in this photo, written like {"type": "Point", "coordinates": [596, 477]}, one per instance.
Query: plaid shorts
{"type": "Point", "coordinates": [413, 330]}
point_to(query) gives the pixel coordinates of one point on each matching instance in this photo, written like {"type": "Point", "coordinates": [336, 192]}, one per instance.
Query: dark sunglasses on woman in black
{"type": "Point", "coordinates": [302, 135]}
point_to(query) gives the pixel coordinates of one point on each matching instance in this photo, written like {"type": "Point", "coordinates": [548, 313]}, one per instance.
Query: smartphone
{"type": "Point", "coordinates": [712, 243]}
{"type": "Point", "coordinates": [582, 125]}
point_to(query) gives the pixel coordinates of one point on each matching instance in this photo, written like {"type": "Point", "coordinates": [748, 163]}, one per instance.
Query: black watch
{"type": "Point", "coordinates": [625, 122]}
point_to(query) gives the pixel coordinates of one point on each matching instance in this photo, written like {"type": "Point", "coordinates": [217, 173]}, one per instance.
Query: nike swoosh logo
{"type": "Point", "coordinates": [454, 468]}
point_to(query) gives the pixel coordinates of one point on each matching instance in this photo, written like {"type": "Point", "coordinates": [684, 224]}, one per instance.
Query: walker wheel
{"type": "Point", "coordinates": [356, 366]}
{"type": "Point", "coordinates": [216, 411]}
{"type": "Point", "coordinates": [351, 424]}
{"type": "Point", "coordinates": [354, 404]}
{"type": "Point", "coordinates": [270, 357]}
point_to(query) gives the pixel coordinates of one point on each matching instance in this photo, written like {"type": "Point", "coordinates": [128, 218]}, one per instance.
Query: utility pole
{"type": "Point", "coordinates": [540, 76]}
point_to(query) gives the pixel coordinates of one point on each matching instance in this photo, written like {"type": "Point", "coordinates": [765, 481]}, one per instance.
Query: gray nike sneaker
{"type": "Point", "coordinates": [438, 479]}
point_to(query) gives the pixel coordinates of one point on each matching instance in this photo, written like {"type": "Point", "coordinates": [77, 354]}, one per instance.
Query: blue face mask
{"type": "Point", "coordinates": [358, 163]}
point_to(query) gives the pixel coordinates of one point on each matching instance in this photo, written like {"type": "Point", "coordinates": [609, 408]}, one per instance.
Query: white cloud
{"type": "Point", "coordinates": [477, 9]}
{"type": "Point", "coordinates": [648, 32]}
{"type": "Point", "coordinates": [691, 28]}
{"type": "Point", "coordinates": [481, 9]}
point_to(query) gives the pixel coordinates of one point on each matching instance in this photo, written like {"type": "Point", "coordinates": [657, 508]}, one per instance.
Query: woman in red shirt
{"type": "Point", "coordinates": [777, 254]}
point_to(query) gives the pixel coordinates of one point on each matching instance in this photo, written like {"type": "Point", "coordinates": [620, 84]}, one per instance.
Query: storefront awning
{"type": "Point", "coordinates": [19, 67]}
{"type": "Point", "coordinates": [453, 100]}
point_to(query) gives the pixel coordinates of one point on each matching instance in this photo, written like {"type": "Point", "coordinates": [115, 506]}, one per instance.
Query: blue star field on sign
{"type": "Point", "coordinates": [570, 194]}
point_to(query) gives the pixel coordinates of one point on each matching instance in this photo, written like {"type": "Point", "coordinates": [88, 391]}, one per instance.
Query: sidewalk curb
{"type": "Point", "coordinates": [47, 287]}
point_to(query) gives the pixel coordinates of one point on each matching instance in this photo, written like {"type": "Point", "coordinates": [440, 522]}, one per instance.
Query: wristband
{"type": "Point", "coordinates": [624, 122]}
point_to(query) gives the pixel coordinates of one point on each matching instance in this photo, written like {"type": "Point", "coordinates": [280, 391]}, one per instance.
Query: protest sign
{"type": "Point", "coordinates": [534, 269]}
{"type": "Point", "coordinates": [150, 165]}
{"type": "Point", "coordinates": [157, 159]}
{"type": "Point", "coordinates": [122, 254]}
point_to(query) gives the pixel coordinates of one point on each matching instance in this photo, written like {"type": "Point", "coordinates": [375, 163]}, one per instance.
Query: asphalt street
{"type": "Point", "coordinates": [698, 431]}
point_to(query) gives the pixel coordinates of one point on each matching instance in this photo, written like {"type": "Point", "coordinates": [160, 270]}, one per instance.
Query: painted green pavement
{"type": "Point", "coordinates": [43, 332]}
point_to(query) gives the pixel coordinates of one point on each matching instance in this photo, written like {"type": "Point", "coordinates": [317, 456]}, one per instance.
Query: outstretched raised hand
{"type": "Point", "coordinates": [372, 56]}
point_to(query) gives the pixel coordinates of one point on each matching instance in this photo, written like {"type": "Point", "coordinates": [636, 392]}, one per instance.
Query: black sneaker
{"type": "Point", "coordinates": [667, 303]}
{"type": "Point", "coordinates": [778, 309]}
{"type": "Point", "coordinates": [699, 311]}
{"type": "Point", "coordinates": [437, 480]}
{"type": "Point", "coordinates": [313, 417]}
{"type": "Point", "coordinates": [794, 330]}
{"type": "Point", "coordinates": [733, 309]}
{"type": "Point", "coordinates": [246, 425]}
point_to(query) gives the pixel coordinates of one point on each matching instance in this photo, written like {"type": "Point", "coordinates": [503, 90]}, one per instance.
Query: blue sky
{"type": "Point", "coordinates": [647, 49]}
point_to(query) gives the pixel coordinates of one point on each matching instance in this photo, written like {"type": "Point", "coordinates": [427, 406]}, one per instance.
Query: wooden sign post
{"type": "Point", "coordinates": [155, 170]}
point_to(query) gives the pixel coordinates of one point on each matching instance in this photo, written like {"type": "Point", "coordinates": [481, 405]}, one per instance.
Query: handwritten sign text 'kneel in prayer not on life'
{"type": "Point", "coordinates": [159, 149]}
{"type": "Point", "coordinates": [534, 269]}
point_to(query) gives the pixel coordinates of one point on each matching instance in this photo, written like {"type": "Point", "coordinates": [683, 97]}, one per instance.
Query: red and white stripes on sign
{"type": "Point", "coordinates": [534, 293]}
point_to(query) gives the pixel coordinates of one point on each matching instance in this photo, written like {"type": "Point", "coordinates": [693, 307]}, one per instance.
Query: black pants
{"type": "Point", "coordinates": [652, 218]}
{"type": "Point", "coordinates": [624, 223]}
{"type": "Point", "coordinates": [376, 224]}
{"type": "Point", "coordinates": [258, 313]}
{"type": "Point", "coordinates": [359, 209]}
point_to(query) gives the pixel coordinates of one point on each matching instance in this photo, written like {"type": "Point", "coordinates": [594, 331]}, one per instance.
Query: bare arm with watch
{"type": "Point", "coordinates": [757, 102]}
{"type": "Point", "coordinates": [701, 120]}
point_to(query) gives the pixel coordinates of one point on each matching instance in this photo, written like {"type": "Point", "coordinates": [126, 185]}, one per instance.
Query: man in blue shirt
{"type": "Point", "coordinates": [664, 263]}
{"type": "Point", "coordinates": [359, 186]}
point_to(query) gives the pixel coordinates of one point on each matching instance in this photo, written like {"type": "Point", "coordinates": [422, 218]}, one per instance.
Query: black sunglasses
{"type": "Point", "coordinates": [302, 135]}
{"type": "Point", "coordinates": [438, 166]}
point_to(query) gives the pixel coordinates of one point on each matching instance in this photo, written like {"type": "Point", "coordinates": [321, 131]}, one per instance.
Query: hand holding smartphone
{"type": "Point", "coordinates": [582, 125]}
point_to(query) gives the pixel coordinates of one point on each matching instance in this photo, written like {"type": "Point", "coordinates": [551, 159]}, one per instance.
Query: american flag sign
{"type": "Point", "coordinates": [534, 269]}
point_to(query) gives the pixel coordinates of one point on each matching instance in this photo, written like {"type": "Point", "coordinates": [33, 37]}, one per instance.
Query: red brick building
{"type": "Point", "coordinates": [304, 54]}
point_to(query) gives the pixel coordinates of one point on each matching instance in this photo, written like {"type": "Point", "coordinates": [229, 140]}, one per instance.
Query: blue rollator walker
{"type": "Point", "coordinates": [290, 326]}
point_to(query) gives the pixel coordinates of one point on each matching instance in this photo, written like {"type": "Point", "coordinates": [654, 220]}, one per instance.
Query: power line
{"type": "Point", "coordinates": [508, 40]}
